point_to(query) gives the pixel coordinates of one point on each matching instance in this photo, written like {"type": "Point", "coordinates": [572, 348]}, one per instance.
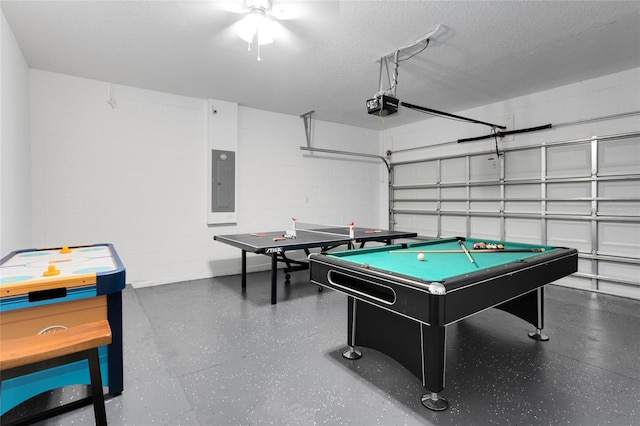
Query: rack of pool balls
{"type": "Point", "coordinates": [487, 246]}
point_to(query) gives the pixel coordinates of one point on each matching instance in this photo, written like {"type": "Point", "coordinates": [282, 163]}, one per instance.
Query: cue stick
{"type": "Point", "coordinates": [466, 251]}
{"type": "Point", "coordinates": [532, 250]}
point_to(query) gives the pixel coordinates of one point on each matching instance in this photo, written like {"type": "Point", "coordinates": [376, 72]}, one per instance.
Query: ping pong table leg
{"type": "Point", "coordinates": [274, 278]}
{"type": "Point", "coordinates": [244, 271]}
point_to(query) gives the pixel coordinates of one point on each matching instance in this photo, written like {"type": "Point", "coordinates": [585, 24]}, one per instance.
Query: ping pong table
{"type": "Point", "coordinates": [276, 243]}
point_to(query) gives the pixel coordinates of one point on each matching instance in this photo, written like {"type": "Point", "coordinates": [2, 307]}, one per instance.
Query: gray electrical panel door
{"type": "Point", "coordinates": [223, 175]}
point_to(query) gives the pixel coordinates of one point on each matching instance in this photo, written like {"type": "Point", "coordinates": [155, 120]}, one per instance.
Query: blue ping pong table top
{"type": "Point", "coordinates": [261, 242]}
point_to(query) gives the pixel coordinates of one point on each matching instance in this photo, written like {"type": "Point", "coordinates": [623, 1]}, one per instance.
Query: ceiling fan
{"type": "Point", "coordinates": [260, 23]}
{"type": "Point", "coordinates": [262, 20]}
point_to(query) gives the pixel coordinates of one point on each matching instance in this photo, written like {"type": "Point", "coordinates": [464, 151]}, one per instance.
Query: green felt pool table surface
{"type": "Point", "coordinates": [440, 266]}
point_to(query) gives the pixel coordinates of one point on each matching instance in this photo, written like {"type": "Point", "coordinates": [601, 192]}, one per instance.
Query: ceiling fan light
{"type": "Point", "coordinates": [266, 32]}
{"type": "Point", "coordinates": [257, 26]}
{"type": "Point", "coordinates": [247, 27]}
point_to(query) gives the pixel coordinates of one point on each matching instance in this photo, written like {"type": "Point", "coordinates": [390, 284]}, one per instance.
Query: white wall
{"type": "Point", "coordinates": [15, 150]}
{"type": "Point", "coordinates": [136, 176]}
{"type": "Point", "coordinates": [277, 181]}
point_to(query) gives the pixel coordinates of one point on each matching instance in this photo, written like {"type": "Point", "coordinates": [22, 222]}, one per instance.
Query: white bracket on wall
{"type": "Point", "coordinates": [306, 117]}
{"type": "Point", "coordinates": [112, 100]}
{"type": "Point", "coordinates": [307, 129]}
{"type": "Point", "coordinates": [354, 154]}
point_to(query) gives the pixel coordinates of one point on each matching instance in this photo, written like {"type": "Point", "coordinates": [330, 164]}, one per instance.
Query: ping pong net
{"type": "Point", "coordinates": [347, 231]}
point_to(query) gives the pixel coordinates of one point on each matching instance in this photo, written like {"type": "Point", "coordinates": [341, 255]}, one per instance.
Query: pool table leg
{"type": "Point", "coordinates": [537, 335]}
{"type": "Point", "coordinates": [434, 349]}
{"type": "Point", "coordinates": [433, 401]}
{"type": "Point", "coordinates": [529, 307]}
{"type": "Point", "coordinates": [352, 352]}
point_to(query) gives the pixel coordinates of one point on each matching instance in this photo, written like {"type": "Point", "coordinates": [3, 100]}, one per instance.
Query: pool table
{"type": "Point", "coordinates": [401, 305]}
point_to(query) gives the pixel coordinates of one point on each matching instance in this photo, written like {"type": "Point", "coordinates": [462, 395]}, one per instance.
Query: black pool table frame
{"type": "Point", "coordinates": [406, 318]}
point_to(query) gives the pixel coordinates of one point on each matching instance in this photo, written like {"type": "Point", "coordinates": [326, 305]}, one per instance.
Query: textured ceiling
{"type": "Point", "coordinates": [325, 60]}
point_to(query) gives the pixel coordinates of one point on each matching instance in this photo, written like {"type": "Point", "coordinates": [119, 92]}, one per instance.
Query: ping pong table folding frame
{"type": "Point", "coordinates": [264, 243]}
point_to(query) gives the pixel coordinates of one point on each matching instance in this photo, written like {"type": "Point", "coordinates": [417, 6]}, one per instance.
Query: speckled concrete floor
{"type": "Point", "coordinates": [202, 353]}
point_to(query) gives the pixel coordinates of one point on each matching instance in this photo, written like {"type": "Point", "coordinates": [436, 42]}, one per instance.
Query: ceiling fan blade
{"type": "Point", "coordinates": [305, 9]}
{"type": "Point", "coordinates": [233, 6]}
{"type": "Point", "coordinates": [288, 10]}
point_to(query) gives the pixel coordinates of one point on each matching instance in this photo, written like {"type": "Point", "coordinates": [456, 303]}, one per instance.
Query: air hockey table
{"type": "Point", "coordinates": [402, 297]}
{"type": "Point", "coordinates": [42, 290]}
